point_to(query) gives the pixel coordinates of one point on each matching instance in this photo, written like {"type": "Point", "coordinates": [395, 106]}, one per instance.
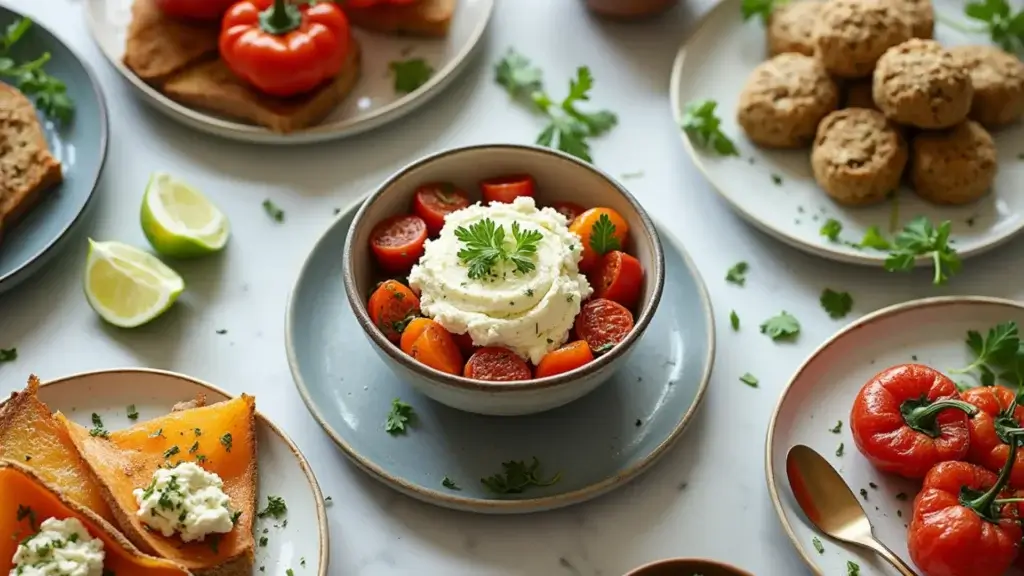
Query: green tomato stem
{"type": "Point", "coordinates": [280, 19]}
{"type": "Point", "coordinates": [983, 504]}
{"type": "Point", "coordinates": [921, 414]}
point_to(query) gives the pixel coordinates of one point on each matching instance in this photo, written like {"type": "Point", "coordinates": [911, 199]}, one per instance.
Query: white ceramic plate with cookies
{"type": "Point", "coordinates": [297, 542]}
{"type": "Point", "coordinates": [372, 102]}
{"type": "Point", "coordinates": [775, 190]}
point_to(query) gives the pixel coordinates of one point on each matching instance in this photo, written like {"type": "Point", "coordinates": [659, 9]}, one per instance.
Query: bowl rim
{"type": "Point", "coordinates": [639, 570]}
{"type": "Point", "coordinates": [642, 320]}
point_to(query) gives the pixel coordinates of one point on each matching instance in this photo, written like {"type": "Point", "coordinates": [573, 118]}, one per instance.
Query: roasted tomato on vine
{"type": "Point", "coordinates": [908, 418]}
{"type": "Point", "coordinates": [998, 415]}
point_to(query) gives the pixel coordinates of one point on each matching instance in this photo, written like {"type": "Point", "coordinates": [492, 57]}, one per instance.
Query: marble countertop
{"type": "Point", "coordinates": [706, 498]}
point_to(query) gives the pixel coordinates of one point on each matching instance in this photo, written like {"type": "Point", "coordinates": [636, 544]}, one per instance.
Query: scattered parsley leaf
{"type": "Point", "coordinates": [839, 450]}
{"type": "Point", "coordinates": [449, 484]}
{"type": "Point", "coordinates": [776, 179]}
{"type": "Point", "coordinates": [837, 428]}
{"type": "Point", "coordinates": [484, 246]}
{"type": "Point", "coordinates": [8, 354]}
{"type": "Point", "coordinates": [328, 501]}
{"type": "Point", "coordinates": [518, 75]}
{"type": "Point", "coordinates": [276, 508]}
{"type": "Point", "coordinates": [400, 417]}
{"type": "Point", "coordinates": [263, 541]}
{"type": "Point", "coordinates": [737, 274]}
{"type": "Point", "coordinates": [1005, 27]}
{"type": "Point", "coordinates": [704, 128]}
{"type": "Point", "coordinates": [97, 427]}
{"type": "Point", "coordinates": [734, 319]}
{"type": "Point", "coordinates": [817, 545]}
{"type": "Point", "coordinates": [516, 476]}
{"type": "Point", "coordinates": [157, 433]}
{"type": "Point", "coordinates": [831, 229]}
{"type": "Point", "coordinates": [226, 441]}
{"type": "Point", "coordinates": [761, 8]}
{"type": "Point", "coordinates": [749, 379]}
{"type": "Point", "coordinates": [410, 74]}
{"type": "Point", "coordinates": [920, 238]}
{"type": "Point", "coordinates": [852, 568]}
{"type": "Point", "coordinates": [602, 235]}
{"type": "Point", "coordinates": [873, 239]}
{"type": "Point", "coordinates": [173, 450]}
{"type": "Point", "coordinates": [785, 326]}
{"type": "Point", "coordinates": [275, 213]}
{"type": "Point", "coordinates": [837, 304]}
{"type": "Point", "coordinates": [863, 493]}
{"type": "Point", "coordinates": [132, 413]}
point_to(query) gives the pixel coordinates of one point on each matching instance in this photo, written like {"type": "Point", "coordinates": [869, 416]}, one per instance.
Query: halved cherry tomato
{"type": "Point", "coordinates": [603, 324]}
{"type": "Point", "coordinates": [413, 331]}
{"type": "Point", "coordinates": [618, 277]}
{"type": "Point", "coordinates": [433, 202]}
{"type": "Point", "coordinates": [496, 364]}
{"type": "Point", "coordinates": [507, 188]}
{"type": "Point", "coordinates": [436, 348]}
{"type": "Point", "coordinates": [568, 357]}
{"type": "Point", "coordinates": [465, 342]}
{"type": "Point", "coordinates": [568, 209]}
{"type": "Point", "coordinates": [392, 307]}
{"type": "Point", "coordinates": [398, 242]}
{"type": "Point", "coordinates": [601, 230]}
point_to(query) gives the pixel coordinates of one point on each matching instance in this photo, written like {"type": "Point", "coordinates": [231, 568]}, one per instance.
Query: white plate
{"type": "Point", "coordinates": [372, 103]}
{"type": "Point", "coordinates": [283, 470]}
{"type": "Point", "coordinates": [929, 331]}
{"type": "Point", "coordinates": [707, 67]}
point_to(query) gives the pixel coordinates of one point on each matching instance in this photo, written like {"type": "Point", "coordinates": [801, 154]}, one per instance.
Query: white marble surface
{"type": "Point", "coordinates": [706, 498]}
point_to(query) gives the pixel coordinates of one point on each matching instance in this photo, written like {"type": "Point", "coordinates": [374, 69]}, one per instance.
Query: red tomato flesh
{"type": "Point", "coordinates": [433, 202]}
{"type": "Point", "coordinates": [397, 242]}
{"type": "Point", "coordinates": [507, 188]}
{"type": "Point", "coordinates": [496, 364]}
{"type": "Point", "coordinates": [618, 277]}
{"type": "Point", "coordinates": [603, 324]}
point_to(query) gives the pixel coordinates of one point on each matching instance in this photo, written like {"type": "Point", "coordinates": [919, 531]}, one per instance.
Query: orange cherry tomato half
{"type": "Point", "coordinates": [412, 332]}
{"type": "Point", "coordinates": [603, 324]}
{"type": "Point", "coordinates": [397, 242]}
{"type": "Point", "coordinates": [568, 209]}
{"type": "Point", "coordinates": [496, 364]}
{"type": "Point", "coordinates": [436, 348]}
{"type": "Point", "coordinates": [432, 202]}
{"type": "Point", "coordinates": [507, 188]}
{"type": "Point", "coordinates": [610, 236]}
{"type": "Point", "coordinates": [392, 306]}
{"type": "Point", "coordinates": [618, 277]}
{"type": "Point", "coordinates": [568, 357]}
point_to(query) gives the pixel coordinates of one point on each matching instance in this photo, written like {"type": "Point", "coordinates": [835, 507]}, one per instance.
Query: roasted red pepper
{"type": "Point", "coordinates": [959, 527]}
{"type": "Point", "coordinates": [282, 49]}
{"type": "Point", "coordinates": [201, 10]}
{"type": "Point", "coordinates": [909, 418]}
{"type": "Point", "coordinates": [998, 415]}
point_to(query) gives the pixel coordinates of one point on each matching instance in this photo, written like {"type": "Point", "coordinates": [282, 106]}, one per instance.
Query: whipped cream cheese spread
{"type": "Point", "coordinates": [60, 548]}
{"type": "Point", "coordinates": [185, 499]}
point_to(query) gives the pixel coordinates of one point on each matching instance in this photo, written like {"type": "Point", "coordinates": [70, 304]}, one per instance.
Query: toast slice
{"type": "Point", "coordinates": [211, 85]}
{"type": "Point", "coordinates": [159, 46]}
{"type": "Point", "coordinates": [27, 169]}
{"type": "Point", "coordinates": [221, 438]}
{"type": "Point", "coordinates": [22, 489]}
{"type": "Point", "coordinates": [430, 18]}
{"type": "Point", "coordinates": [31, 436]}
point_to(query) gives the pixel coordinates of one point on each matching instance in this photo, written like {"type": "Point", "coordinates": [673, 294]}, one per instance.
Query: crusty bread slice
{"type": "Point", "coordinates": [424, 18]}
{"type": "Point", "coordinates": [27, 169]}
{"type": "Point", "coordinates": [211, 85]}
{"type": "Point", "coordinates": [158, 46]}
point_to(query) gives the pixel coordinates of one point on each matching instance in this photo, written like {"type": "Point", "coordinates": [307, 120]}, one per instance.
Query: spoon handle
{"type": "Point", "coordinates": [890, 557]}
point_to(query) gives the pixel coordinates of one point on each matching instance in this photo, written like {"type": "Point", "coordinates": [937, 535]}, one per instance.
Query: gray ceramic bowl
{"type": "Point", "coordinates": [687, 567]}
{"type": "Point", "coordinates": [559, 177]}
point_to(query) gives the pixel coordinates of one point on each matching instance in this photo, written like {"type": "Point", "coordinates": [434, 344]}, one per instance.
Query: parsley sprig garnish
{"type": "Point", "coordinates": [920, 238]}
{"type": "Point", "coordinates": [276, 508]}
{"type": "Point", "coordinates": [97, 427]}
{"type": "Point", "coordinates": [762, 8]}
{"type": "Point", "coordinates": [400, 417]}
{"type": "Point", "coordinates": [785, 326]}
{"type": "Point", "coordinates": [1005, 27]}
{"type": "Point", "coordinates": [516, 476]}
{"type": "Point", "coordinates": [704, 128]}
{"type": "Point", "coordinates": [997, 355]}
{"type": "Point", "coordinates": [602, 235]}
{"type": "Point", "coordinates": [50, 93]}
{"type": "Point", "coordinates": [837, 304]}
{"type": "Point", "coordinates": [484, 246]}
{"type": "Point", "coordinates": [410, 74]}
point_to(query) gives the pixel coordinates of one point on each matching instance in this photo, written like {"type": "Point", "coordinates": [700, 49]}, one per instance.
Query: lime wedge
{"type": "Point", "coordinates": [126, 286]}
{"type": "Point", "coordinates": [179, 221]}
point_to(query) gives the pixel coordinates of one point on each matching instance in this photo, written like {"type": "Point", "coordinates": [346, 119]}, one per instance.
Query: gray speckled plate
{"type": "Point", "coordinates": [598, 443]}
{"type": "Point", "coordinates": [81, 148]}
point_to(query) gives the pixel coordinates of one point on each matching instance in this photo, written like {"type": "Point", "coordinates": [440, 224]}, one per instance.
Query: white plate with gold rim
{"type": "Point", "coordinates": [303, 545]}
{"type": "Point", "coordinates": [794, 210]}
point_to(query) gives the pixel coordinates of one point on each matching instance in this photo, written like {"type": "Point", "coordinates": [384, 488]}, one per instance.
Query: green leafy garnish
{"type": "Point", "coordinates": [837, 428]}
{"type": "Point", "coordinates": [704, 128]}
{"type": "Point", "coordinates": [410, 74]}
{"type": "Point", "coordinates": [602, 235]}
{"type": "Point", "coordinates": [449, 484]}
{"type": "Point", "coordinates": [920, 238]}
{"type": "Point", "coordinates": [172, 451]}
{"type": "Point", "coordinates": [734, 319]}
{"type": "Point", "coordinates": [998, 355]}
{"type": "Point", "coordinates": [276, 508]}
{"type": "Point", "coordinates": [1005, 27]}
{"type": "Point", "coordinates": [132, 413]}
{"type": "Point", "coordinates": [762, 8]}
{"type": "Point", "coordinates": [817, 545]}
{"type": "Point", "coordinates": [97, 427]}
{"type": "Point", "coordinates": [873, 239]}
{"type": "Point", "coordinates": [8, 354]}
{"type": "Point", "coordinates": [226, 441]}
{"type": "Point", "coordinates": [737, 274]}
{"type": "Point", "coordinates": [840, 449]}
{"type": "Point", "coordinates": [749, 379]}
{"type": "Point", "coordinates": [518, 75]}
{"type": "Point", "coordinates": [785, 326]}
{"type": "Point", "coordinates": [484, 246]}
{"type": "Point", "coordinates": [275, 213]}
{"type": "Point", "coordinates": [837, 304]}
{"type": "Point", "coordinates": [831, 229]}
{"type": "Point", "coordinates": [27, 512]}
{"type": "Point", "coordinates": [50, 93]}
{"type": "Point", "coordinates": [517, 476]}
{"type": "Point", "coordinates": [400, 417]}
{"type": "Point", "coordinates": [852, 568]}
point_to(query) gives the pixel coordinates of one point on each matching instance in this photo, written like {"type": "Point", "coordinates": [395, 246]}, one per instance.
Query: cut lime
{"type": "Point", "coordinates": [126, 286]}
{"type": "Point", "coordinates": [179, 221]}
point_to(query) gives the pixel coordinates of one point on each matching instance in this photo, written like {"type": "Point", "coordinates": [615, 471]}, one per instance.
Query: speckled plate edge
{"type": "Point", "coordinates": [865, 259]}
{"type": "Point", "coordinates": [13, 278]}
{"type": "Point", "coordinates": [496, 506]}
{"type": "Point", "coordinates": [882, 314]}
{"type": "Point", "coordinates": [323, 528]}
{"type": "Point", "coordinates": [335, 131]}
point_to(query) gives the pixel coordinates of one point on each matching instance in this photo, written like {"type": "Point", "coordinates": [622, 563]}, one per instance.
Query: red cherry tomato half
{"type": "Point", "coordinates": [603, 324]}
{"type": "Point", "coordinates": [507, 188]}
{"type": "Point", "coordinates": [433, 202]}
{"type": "Point", "coordinates": [397, 242]}
{"type": "Point", "coordinates": [497, 365]}
{"type": "Point", "coordinates": [618, 277]}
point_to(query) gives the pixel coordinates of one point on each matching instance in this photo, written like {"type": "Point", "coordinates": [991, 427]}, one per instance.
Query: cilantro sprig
{"type": "Point", "coordinates": [410, 74]}
{"type": "Point", "coordinates": [920, 238]}
{"type": "Point", "coordinates": [602, 235]}
{"type": "Point", "coordinates": [49, 92]}
{"type": "Point", "coordinates": [1000, 22]}
{"type": "Point", "coordinates": [996, 355]}
{"type": "Point", "coordinates": [484, 246]}
{"type": "Point", "coordinates": [704, 128]}
{"type": "Point", "coordinates": [784, 326]}
{"type": "Point", "coordinates": [400, 418]}
{"type": "Point", "coordinates": [837, 304]}
{"type": "Point", "coordinates": [516, 476]}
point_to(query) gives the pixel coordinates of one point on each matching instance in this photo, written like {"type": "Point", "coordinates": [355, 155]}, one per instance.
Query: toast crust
{"type": "Point", "coordinates": [158, 46]}
{"type": "Point", "coordinates": [430, 18]}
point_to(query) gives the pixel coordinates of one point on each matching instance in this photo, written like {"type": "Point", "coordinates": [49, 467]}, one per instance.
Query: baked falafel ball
{"type": "Point", "coordinates": [954, 166]}
{"type": "Point", "coordinates": [998, 80]}
{"type": "Point", "coordinates": [851, 35]}
{"type": "Point", "coordinates": [791, 26]}
{"type": "Point", "coordinates": [920, 83]}
{"type": "Point", "coordinates": [858, 156]}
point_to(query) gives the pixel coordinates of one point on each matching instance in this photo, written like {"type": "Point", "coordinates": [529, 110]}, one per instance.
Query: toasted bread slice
{"type": "Point", "coordinates": [22, 489]}
{"type": "Point", "coordinates": [127, 459]}
{"type": "Point", "coordinates": [211, 85]}
{"type": "Point", "coordinates": [430, 18]}
{"type": "Point", "coordinates": [27, 169]}
{"type": "Point", "coordinates": [31, 436]}
{"type": "Point", "coordinates": [158, 46]}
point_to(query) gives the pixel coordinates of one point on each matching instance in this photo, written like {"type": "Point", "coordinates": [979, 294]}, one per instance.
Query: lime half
{"type": "Point", "coordinates": [179, 221]}
{"type": "Point", "coordinates": [126, 286]}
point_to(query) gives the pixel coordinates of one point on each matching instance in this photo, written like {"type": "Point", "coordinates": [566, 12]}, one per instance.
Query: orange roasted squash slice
{"type": "Point", "coordinates": [31, 436]}
{"type": "Point", "coordinates": [22, 489]}
{"type": "Point", "coordinates": [221, 438]}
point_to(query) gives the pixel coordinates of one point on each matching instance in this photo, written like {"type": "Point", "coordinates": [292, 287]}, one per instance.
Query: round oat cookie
{"type": "Point", "coordinates": [998, 80]}
{"type": "Point", "coordinates": [920, 14]}
{"type": "Point", "coordinates": [784, 99]}
{"type": "Point", "coordinates": [790, 27]}
{"type": "Point", "coordinates": [858, 156]}
{"type": "Point", "coordinates": [953, 166]}
{"type": "Point", "coordinates": [850, 35]}
{"type": "Point", "coordinates": [858, 95]}
{"type": "Point", "coordinates": [919, 83]}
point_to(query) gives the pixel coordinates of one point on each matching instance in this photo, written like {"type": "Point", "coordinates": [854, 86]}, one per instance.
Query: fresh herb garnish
{"type": "Point", "coordinates": [226, 441]}
{"type": "Point", "coordinates": [762, 8]}
{"type": "Point", "coordinates": [263, 541]}
{"type": "Point", "coordinates": [1005, 27]}
{"type": "Point", "coordinates": [484, 246]}
{"type": "Point", "coordinates": [837, 428]}
{"type": "Point", "coordinates": [157, 433]}
{"type": "Point", "coordinates": [873, 239]}
{"type": "Point", "coordinates": [401, 417]}
{"type": "Point", "coordinates": [737, 274]}
{"type": "Point", "coordinates": [449, 484]}
{"type": "Point", "coordinates": [516, 476]}
{"type": "Point", "coordinates": [831, 229]}
{"type": "Point", "coordinates": [275, 213]}
{"type": "Point", "coordinates": [785, 326]}
{"type": "Point", "coordinates": [50, 93]}
{"type": "Point", "coordinates": [852, 568]}
{"type": "Point", "coordinates": [602, 235]}
{"type": "Point", "coordinates": [749, 379]}
{"type": "Point", "coordinates": [173, 450]}
{"type": "Point", "coordinates": [704, 128]}
{"type": "Point", "coordinates": [817, 545]}
{"type": "Point", "coordinates": [410, 74]}
{"type": "Point", "coordinates": [839, 450]}
{"type": "Point", "coordinates": [27, 512]}
{"type": "Point", "coordinates": [132, 413]}
{"type": "Point", "coordinates": [997, 355]}
{"type": "Point", "coordinates": [275, 509]}
{"type": "Point", "coordinates": [837, 304]}
{"type": "Point", "coordinates": [734, 320]}
{"type": "Point", "coordinates": [97, 427]}
{"type": "Point", "coordinates": [920, 238]}
{"type": "Point", "coordinates": [8, 354]}
{"type": "Point", "coordinates": [194, 448]}
{"type": "Point", "coordinates": [776, 179]}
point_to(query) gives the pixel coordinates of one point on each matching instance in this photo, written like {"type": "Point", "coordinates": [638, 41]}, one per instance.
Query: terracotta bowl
{"type": "Point", "coordinates": [687, 567]}
{"type": "Point", "coordinates": [559, 177]}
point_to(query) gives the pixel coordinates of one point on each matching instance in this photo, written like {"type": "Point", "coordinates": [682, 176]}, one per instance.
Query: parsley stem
{"type": "Point", "coordinates": [937, 262]}
{"type": "Point", "coordinates": [959, 26]}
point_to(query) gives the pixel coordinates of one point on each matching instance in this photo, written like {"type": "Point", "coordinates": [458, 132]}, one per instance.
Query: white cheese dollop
{"type": "Point", "coordinates": [60, 548]}
{"type": "Point", "coordinates": [185, 499]}
{"type": "Point", "coordinates": [529, 313]}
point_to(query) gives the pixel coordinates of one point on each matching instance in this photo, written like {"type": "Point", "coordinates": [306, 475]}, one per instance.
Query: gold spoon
{"type": "Point", "coordinates": [831, 506]}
